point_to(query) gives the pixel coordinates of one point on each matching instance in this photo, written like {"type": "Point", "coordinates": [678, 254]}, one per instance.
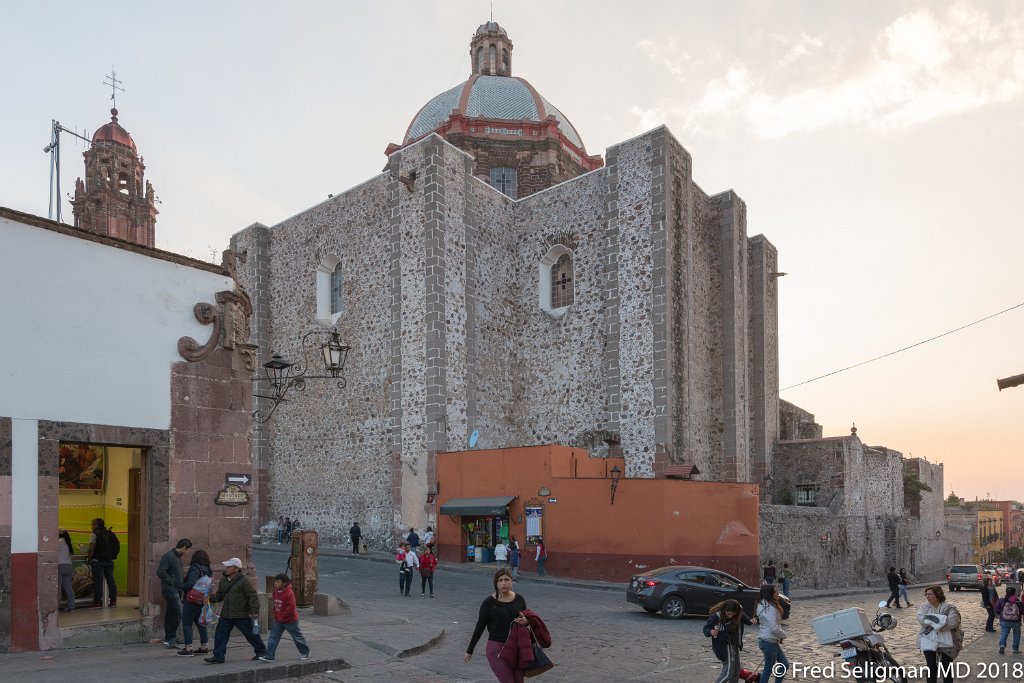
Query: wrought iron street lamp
{"type": "Point", "coordinates": [281, 376]}
{"type": "Point", "coordinates": [616, 475]}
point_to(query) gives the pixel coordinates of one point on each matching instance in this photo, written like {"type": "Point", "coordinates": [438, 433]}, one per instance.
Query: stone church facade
{"type": "Point", "coordinates": [624, 310]}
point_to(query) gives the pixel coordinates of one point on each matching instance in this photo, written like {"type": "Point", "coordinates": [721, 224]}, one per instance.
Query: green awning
{"type": "Point", "coordinates": [477, 506]}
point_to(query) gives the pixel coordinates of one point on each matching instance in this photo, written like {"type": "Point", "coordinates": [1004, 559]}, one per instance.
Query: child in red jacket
{"type": "Point", "coordinates": [286, 618]}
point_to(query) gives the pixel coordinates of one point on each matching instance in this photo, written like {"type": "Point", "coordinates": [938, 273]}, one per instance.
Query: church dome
{"type": "Point", "coordinates": [502, 98]}
{"type": "Point", "coordinates": [113, 132]}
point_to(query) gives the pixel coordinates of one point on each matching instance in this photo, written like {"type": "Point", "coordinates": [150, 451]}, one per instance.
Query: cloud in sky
{"type": "Point", "coordinates": [922, 66]}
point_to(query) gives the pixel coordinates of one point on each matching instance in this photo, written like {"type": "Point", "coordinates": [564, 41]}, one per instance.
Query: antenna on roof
{"type": "Point", "coordinates": [115, 84]}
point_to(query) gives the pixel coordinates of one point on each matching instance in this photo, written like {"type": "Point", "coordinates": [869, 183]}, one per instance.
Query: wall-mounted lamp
{"type": "Point", "coordinates": [282, 376]}
{"type": "Point", "coordinates": [825, 540]}
{"type": "Point", "coordinates": [616, 475]}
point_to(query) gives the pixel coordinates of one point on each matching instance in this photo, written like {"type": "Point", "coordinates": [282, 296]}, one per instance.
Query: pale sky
{"type": "Point", "coordinates": [876, 144]}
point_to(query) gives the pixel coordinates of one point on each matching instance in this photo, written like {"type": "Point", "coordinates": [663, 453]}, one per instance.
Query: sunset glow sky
{"type": "Point", "coordinates": [878, 145]}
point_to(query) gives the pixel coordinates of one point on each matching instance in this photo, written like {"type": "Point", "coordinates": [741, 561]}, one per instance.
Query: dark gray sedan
{"type": "Point", "coordinates": [676, 591]}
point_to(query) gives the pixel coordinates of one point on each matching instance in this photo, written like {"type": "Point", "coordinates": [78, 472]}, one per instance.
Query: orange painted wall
{"type": "Point", "coordinates": [653, 522]}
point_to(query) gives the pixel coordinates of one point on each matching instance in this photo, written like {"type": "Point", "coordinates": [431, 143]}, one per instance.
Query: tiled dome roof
{"type": "Point", "coordinates": [492, 97]}
{"type": "Point", "coordinates": [113, 132]}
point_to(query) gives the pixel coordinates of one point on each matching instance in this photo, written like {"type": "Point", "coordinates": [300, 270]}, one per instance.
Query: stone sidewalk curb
{"type": "Point", "coordinates": [488, 568]}
{"type": "Point", "coordinates": [269, 673]}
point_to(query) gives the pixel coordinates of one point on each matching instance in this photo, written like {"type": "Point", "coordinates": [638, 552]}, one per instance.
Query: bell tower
{"type": "Point", "coordinates": [115, 199]}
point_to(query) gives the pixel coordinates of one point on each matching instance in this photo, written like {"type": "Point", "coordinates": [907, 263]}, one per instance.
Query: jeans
{"type": "Point", "coordinates": [990, 622]}
{"type": "Point", "coordinates": [190, 615]}
{"type": "Point", "coordinates": [64, 573]}
{"type": "Point", "coordinates": [772, 654]}
{"type": "Point", "coordinates": [404, 581]}
{"type": "Point", "coordinates": [425, 579]}
{"type": "Point", "coordinates": [277, 630]}
{"type": "Point", "coordinates": [1004, 630]}
{"type": "Point", "coordinates": [355, 545]}
{"type": "Point", "coordinates": [172, 614]}
{"type": "Point", "coordinates": [540, 566]}
{"type": "Point", "coordinates": [894, 595]}
{"type": "Point", "coordinates": [280, 536]}
{"type": "Point", "coordinates": [223, 633]}
{"type": "Point", "coordinates": [903, 594]}
{"type": "Point", "coordinates": [785, 587]}
{"type": "Point", "coordinates": [933, 670]}
{"type": "Point", "coordinates": [103, 569]}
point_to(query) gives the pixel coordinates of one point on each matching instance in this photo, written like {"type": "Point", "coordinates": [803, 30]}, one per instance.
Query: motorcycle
{"type": "Point", "coordinates": [867, 657]}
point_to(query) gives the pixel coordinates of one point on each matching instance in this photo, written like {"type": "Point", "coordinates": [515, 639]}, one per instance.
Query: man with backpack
{"type": "Point", "coordinates": [1008, 609]}
{"type": "Point", "coordinates": [171, 573]}
{"type": "Point", "coordinates": [103, 550]}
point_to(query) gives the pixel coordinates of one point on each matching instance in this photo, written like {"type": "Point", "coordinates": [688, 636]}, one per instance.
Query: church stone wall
{"type": "Point", "coordinates": [330, 448]}
{"type": "Point", "coordinates": [564, 388]}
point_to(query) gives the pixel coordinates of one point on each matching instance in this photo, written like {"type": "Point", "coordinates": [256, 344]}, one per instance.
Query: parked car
{"type": "Point", "coordinates": [965, 576]}
{"type": "Point", "coordinates": [676, 591]}
{"type": "Point", "coordinates": [994, 575]}
{"type": "Point", "coordinates": [1005, 572]}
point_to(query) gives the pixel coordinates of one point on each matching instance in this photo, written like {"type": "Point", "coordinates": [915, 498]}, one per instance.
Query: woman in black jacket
{"type": "Point", "coordinates": [725, 628]}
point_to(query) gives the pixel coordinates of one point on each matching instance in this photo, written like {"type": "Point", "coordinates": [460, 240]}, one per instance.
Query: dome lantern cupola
{"type": "Point", "coordinates": [490, 51]}
{"type": "Point", "coordinates": [521, 143]}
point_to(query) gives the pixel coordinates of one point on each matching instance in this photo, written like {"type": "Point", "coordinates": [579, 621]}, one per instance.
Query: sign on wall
{"type": "Point", "coordinates": [534, 522]}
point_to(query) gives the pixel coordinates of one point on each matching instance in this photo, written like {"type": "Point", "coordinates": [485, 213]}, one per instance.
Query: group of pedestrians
{"type": "Point", "coordinates": [725, 628]}
{"type": "Point", "coordinates": [770, 574]}
{"type": "Point", "coordinates": [898, 583]}
{"type": "Point", "coordinates": [286, 526]}
{"type": "Point", "coordinates": [1007, 609]}
{"type": "Point", "coordinates": [508, 555]}
{"type": "Point", "coordinates": [189, 597]}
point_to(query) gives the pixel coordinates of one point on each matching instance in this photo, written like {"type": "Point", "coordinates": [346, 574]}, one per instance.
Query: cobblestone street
{"type": "Point", "coordinates": [597, 636]}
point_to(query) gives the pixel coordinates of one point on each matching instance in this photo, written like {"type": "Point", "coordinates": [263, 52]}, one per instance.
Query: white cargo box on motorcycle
{"type": "Point", "coordinates": [841, 625]}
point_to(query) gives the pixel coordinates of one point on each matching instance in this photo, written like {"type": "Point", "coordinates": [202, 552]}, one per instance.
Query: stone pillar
{"type": "Point", "coordinates": [732, 221]}
{"type": "Point", "coordinates": [763, 323]}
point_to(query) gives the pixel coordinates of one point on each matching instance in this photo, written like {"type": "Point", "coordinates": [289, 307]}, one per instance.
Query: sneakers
{"type": "Point", "coordinates": [186, 652]}
{"type": "Point", "coordinates": [202, 651]}
{"type": "Point", "coordinates": [213, 660]}
{"type": "Point", "coordinates": [265, 658]}
{"type": "Point", "coordinates": [431, 595]}
{"type": "Point", "coordinates": [1002, 649]}
{"type": "Point", "coordinates": [305, 656]}
{"type": "Point", "coordinates": [170, 645]}
{"type": "Point", "coordinates": [112, 603]}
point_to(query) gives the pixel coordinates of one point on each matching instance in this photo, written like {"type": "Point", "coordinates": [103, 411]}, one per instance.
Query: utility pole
{"type": "Point", "coordinates": [1008, 382]}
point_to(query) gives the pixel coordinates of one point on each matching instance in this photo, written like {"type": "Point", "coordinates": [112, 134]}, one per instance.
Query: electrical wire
{"type": "Point", "coordinates": [905, 348]}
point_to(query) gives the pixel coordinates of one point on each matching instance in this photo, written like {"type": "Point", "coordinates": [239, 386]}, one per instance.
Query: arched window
{"type": "Point", "coordinates": [480, 60]}
{"type": "Point", "coordinates": [504, 63]}
{"type": "Point", "coordinates": [562, 282]}
{"type": "Point", "coordinates": [493, 62]}
{"type": "Point", "coordinates": [329, 290]}
{"type": "Point", "coordinates": [122, 182]}
{"type": "Point", "coordinates": [557, 281]}
{"type": "Point", "coordinates": [336, 289]}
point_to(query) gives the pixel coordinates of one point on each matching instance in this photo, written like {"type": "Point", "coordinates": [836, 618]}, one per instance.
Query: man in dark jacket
{"type": "Point", "coordinates": [172, 579]}
{"type": "Point", "coordinates": [355, 533]}
{"type": "Point", "coordinates": [241, 608]}
{"type": "Point", "coordinates": [894, 588]}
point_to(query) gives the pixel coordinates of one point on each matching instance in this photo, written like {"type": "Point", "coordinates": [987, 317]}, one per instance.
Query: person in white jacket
{"type": "Point", "coordinates": [411, 564]}
{"type": "Point", "coordinates": [501, 554]}
{"type": "Point", "coordinates": [770, 634]}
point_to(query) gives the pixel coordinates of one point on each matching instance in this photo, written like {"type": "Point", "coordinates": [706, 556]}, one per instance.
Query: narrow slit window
{"type": "Point", "coordinates": [337, 283]}
{"type": "Point", "coordinates": [503, 179]}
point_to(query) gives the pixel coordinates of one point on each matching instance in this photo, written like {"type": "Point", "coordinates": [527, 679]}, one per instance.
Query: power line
{"type": "Point", "coordinates": [905, 348]}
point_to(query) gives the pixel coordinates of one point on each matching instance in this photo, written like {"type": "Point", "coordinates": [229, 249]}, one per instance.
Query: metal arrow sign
{"type": "Point", "coordinates": [232, 478]}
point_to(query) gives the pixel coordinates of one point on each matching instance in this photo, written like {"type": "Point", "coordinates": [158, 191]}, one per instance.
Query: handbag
{"type": "Point", "coordinates": [541, 662]}
{"type": "Point", "coordinates": [195, 597]}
